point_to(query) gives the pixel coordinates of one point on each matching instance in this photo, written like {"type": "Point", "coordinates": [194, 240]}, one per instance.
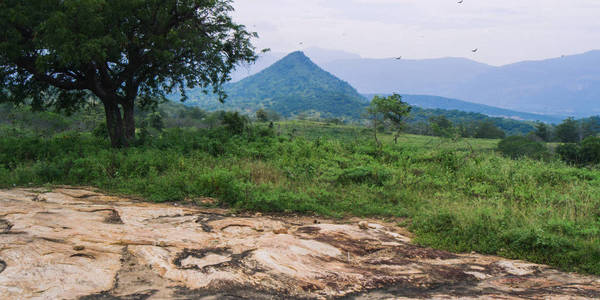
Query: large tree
{"type": "Point", "coordinates": [60, 52]}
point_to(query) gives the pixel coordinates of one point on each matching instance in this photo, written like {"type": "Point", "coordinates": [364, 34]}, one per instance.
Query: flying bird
{"type": "Point", "coordinates": [398, 58]}
{"type": "Point", "coordinates": [474, 50]}
{"type": "Point", "coordinates": [460, 1]}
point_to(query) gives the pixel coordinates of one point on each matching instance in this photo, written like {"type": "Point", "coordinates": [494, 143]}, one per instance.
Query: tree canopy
{"type": "Point", "coordinates": [60, 52]}
{"type": "Point", "coordinates": [389, 109]}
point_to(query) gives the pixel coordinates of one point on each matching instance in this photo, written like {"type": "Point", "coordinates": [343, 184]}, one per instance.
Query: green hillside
{"type": "Point", "coordinates": [291, 86]}
{"type": "Point", "coordinates": [420, 116]}
{"type": "Point", "coordinates": [436, 102]}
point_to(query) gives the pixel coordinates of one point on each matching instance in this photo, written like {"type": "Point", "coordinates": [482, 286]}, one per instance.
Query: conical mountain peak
{"type": "Point", "coordinates": [291, 86]}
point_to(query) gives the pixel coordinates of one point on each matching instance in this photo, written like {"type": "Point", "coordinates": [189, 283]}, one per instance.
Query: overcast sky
{"type": "Point", "coordinates": [504, 31]}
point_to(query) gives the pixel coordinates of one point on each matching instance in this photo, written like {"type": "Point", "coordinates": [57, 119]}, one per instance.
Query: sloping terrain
{"type": "Point", "coordinates": [78, 244]}
{"type": "Point", "coordinates": [290, 86]}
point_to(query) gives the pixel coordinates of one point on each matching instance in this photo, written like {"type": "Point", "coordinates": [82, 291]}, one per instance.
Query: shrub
{"type": "Point", "coordinates": [590, 150]}
{"type": "Point", "coordinates": [587, 153]}
{"type": "Point", "coordinates": [234, 122]}
{"type": "Point", "coordinates": [488, 130]}
{"type": "Point", "coordinates": [101, 131]}
{"type": "Point", "coordinates": [364, 175]}
{"type": "Point", "coordinates": [569, 153]}
{"type": "Point", "coordinates": [519, 146]}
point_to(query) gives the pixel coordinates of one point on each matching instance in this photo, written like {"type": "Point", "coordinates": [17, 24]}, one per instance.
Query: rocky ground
{"type": "Point", "coordinates": [78, 244]}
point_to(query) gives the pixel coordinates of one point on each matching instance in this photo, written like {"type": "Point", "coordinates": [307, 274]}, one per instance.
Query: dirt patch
{"type": "Point", "coordinates": [113, 216]}
{"type": "Point", "coordinates": [5, 226]}
{"type": "Point", "coordinates": [230, 291]}
{"type": "Point", "coordinates": [356, 247]}
{"type": "Point", "coordinates": [309, 230]}
{"type": "Point", "coordinates": [417, 252]}
{"type": "Point", "coordinates": [108, 296]}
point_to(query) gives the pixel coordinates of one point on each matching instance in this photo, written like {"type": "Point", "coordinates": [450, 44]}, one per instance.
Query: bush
{"type": "Point", "coordinates": [234, 122]}
{"type": "Point", "coordinates": [363, 175]}
{"type": "Point", "coordinates": [590, 150]}
{"type": "Point", "coordinates": [519, 146]}
{"type": "Point", "coordinates": [569, 153]}
{"type": "Point", "coordinates": [587, 153]}
{"type": "Point", "coordinates": [488, 130]}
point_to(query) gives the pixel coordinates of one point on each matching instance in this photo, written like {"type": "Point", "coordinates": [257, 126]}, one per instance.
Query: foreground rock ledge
{"type": "Point", "coordinates": [78, 244]}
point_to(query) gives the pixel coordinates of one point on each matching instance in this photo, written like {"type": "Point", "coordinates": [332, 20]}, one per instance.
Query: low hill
{"type": "Point", "coordinates": [291, 86]}
{"type": "Point", "coordinates": [435, 102]}
{"type": "Point", "coordinates": [420, 117]}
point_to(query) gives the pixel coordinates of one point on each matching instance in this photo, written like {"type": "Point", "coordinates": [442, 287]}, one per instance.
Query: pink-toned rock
{"type": "Point", "coordinates": [74, 243]}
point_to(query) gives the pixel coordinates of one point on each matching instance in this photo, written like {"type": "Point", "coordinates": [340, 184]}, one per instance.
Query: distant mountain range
{"type": "Point", "coordinates": [566, 86]}
{"type": "Point", "coordinates": [291, 86]}
{"type": "Point", "coordinates": [562, 86]}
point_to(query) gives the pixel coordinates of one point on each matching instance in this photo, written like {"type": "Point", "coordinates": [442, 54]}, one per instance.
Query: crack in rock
{"type": "Point", "coordinates": [203, 219]}
{"type": "Point", "coordinates": [84, 255]}
{"type": "Point", "coordinates": [2, 266]}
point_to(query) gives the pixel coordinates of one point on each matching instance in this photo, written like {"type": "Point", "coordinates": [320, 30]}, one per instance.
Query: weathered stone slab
{"type": "Point", "coordinates": [80, 244]}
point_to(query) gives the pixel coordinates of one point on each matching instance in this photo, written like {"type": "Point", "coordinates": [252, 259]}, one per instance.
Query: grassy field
{"type": "Point", "coordinates": [455, 195]}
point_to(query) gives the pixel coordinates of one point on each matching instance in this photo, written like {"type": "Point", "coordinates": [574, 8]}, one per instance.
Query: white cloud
{"type": "Point", "coordinates": [505, 30]}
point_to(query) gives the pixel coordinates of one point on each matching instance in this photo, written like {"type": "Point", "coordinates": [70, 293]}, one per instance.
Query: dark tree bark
{"type": "Point", "coordinates": [120, 123]}
{"type": "Point", "coordinates": [129, 120]}
{"type": "Point", "coordinates": [114, 124]}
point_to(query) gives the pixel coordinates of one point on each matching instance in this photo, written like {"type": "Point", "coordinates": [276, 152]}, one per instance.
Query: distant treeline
{"type": "Point", "coordinates": [433, 122]}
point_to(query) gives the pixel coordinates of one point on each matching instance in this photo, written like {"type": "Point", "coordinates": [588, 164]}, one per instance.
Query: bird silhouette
{"type": "Point", "coordinates": [474, 50]}
{"type": "Point", "coordinates": [398, 58]}
{"type": "Point", "coordinates": [460, 1]}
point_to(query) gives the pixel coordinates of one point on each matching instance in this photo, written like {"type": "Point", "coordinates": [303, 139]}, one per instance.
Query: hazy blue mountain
{"type": "Point", "coordinates": [291, 86]}
{"type": "Point", "coordinates": [562, 86]}
{"type": "Point", "coordinates": [568, 86]}
{"type": "Point", "coordinates": [436, 102]}
{"type": "Point", "coordinates": [429, 76]}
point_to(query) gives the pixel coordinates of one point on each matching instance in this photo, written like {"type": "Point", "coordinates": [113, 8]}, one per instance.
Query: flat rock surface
{"type": "Point", "coordinates": [78, 244]}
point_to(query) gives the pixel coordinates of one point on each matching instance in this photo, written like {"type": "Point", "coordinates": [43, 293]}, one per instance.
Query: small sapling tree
{"type": "Point", "coordinates": [391, 110]}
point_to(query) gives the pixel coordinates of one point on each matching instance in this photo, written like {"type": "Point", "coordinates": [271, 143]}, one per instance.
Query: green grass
{"type": "Point", "coordinates": [456, 195]}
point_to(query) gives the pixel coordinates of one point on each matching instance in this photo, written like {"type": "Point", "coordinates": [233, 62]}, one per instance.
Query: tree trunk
{"type": "Point", "coordinates": [120, 125]}
{"type": "Point", "coordinates": [129, 121]}
{"type": "Point", "coordinates": [375, 132]}
{"type": "Point", "coordinates": [114, 124]}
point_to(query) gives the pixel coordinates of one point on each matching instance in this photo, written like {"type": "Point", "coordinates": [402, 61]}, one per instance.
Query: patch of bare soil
{"type": "Point", "coordinates": [77, 244]}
